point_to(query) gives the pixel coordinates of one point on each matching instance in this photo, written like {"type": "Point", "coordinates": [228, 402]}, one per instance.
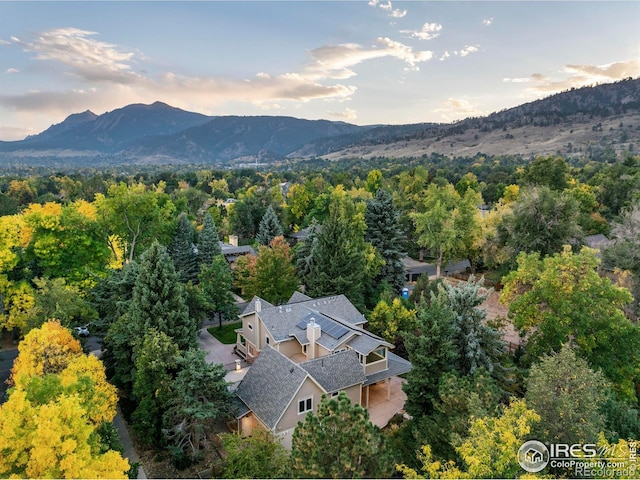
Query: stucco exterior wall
{"type": "Point", "coordinates": [291, 418]}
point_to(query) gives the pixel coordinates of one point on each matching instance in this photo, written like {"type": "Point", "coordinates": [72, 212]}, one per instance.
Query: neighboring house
{"type": "Point", "coordinates": [597, 242]}
{"type": "Point", "coordinates": [232, 252]}
{"type": "Point", "coordinates": [303, 350]}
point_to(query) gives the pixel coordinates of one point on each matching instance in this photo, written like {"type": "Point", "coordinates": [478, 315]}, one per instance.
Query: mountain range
{"type": "Point", "coordinates": [590, 119]}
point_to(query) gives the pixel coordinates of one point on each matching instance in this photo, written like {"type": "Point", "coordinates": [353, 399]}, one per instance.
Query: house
{"type": "Point", "coordinates": [303, 350]}
{"type": "Point", "coordinates": [232, 251]}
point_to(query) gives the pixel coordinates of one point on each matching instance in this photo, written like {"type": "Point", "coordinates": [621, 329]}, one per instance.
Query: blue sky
{"type": "Point", "coordinates": [364, 62]}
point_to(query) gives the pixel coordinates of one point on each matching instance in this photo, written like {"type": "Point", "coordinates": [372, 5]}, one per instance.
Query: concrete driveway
{"type": "Point", "coordinates": [218, 352]}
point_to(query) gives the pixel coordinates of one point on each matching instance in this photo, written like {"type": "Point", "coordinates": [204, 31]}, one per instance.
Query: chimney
{"type": "Point", "coordinates": [258, 305]}
{"type": "Point", "coordinates": [233, 240]}
{"type": "Point", "coordinates": [313, 334]}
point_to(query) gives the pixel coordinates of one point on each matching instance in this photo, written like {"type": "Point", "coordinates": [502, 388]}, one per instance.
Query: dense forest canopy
{"type": "Point", "coordinates": [107, 247]}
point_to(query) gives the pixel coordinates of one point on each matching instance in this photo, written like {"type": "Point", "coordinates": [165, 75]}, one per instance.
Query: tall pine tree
{"type": "Point", "coordinates": [182, 250]}
{"type": "Point", "coordinates": [385, 234]}
{"type": "Point", "coordinates": [208, 242]}
{"type": "Point", "coordinates": [339, 442]}
{"type": "Point", "coordinates": [269, 228]}
{"type": "Point", "coordinates": [340, 256]}
{"type": "Point", "coordinates": [158, 299]}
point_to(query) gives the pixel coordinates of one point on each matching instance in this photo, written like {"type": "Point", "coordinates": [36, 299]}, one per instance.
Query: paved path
{"type": "Point", "coordinates": [127, 443]}
{"type": "Point", "coordinates": [6, 362]}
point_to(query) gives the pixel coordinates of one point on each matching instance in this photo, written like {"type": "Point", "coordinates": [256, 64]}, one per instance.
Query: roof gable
{"type": "Point", "coordinates": [335, 372]}
{"type": "Point", "coordinates": [270, 385]}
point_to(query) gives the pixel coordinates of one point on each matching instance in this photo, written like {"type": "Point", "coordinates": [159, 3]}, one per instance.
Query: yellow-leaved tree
{"type": "Point", "coordinates": [47, 349]}
{"type": "Point", "coordinates": [49, 426]}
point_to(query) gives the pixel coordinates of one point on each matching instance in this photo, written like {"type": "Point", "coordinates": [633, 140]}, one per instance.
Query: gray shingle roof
{"type": "Point", "coordinates": [251, 306]}
{"type": "Point", "coordinates": [270, 385]}
{"type": "Point", "coordinates": [337, 371]}
{"type": "Point", "coordinates": [396, 366]}
{"type": "Point", "coordinates": [298, 297]}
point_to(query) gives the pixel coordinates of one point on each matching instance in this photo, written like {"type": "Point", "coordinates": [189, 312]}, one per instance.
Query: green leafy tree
{"type": "Point", "coordinates": [562, 298]}
{"type": "Point", "coordinates": [385, 234]}
{"type": "Point", "coordinates": [624, 252]}
{"type": "Point", "coordinates": [55, 299]}
{"type": "Point", "coordinates": [491, 450]}
{"type": "Point", "coordinates": [435, 223]}
{"type": "Point", "coordinates": [269, 227]}
{"type": "Point", "coordinates": [462, 398]}
{"type": "Point", "coordinates": [156, 362]}
{"type": "Point", "coordinates": [181, 250]}
{"type": "Point", "coordinates": [200, 395]}
{"type": "Point", "coordinates": [135, 215]}
{"type": "Point", "coordinates": [552, 172]}
{"type": "Point", "coordinates": [391, 317]}
{"type": "Point", "coordinates": [208, 242]}
{"type": "Point", "coordinates": [215, 283]}
{"type": "Point", "coordinates": [258, 456]}
{"type": "Point", "coordinates": [467, 224]}
{"type": "Point", "coordinates": [272, 276]}
{"type": "Point", "coordinates": [568, 396]}
{"type": "Point", "coordinates": [339, 441]}
{"type": "Point", "coordinates": [431, 353]}
{"type": "Point", "coordinates": [541, 220]}
{"type": "Point", "coordinates": [67, 242]}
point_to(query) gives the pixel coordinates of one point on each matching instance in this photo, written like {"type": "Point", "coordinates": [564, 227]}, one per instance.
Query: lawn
{"type": "Point", "coordinates": [226, 334]}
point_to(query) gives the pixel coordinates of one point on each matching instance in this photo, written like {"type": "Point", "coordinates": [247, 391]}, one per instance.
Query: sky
{"type": "Point", "coordinates": [363, 62]}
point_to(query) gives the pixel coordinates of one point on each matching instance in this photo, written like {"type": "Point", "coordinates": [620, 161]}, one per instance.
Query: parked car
{"type": "Point", "coordinates": [82, 331]}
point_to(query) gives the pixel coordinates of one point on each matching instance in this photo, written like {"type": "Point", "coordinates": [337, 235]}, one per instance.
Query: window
{"type": "Point", "coordinates": [266, 340]}
{"type": "Point", "coordinates": [335, 394]}
{"type": "Point", "coordinates": [305, 405]}
{"type": "Point", "coordinates": [304, 349]}
{"type": "Point", "coordinates": [249, 326]}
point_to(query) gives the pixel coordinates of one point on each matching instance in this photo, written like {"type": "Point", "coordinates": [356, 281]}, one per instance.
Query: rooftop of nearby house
{"type": "Point", "coordinates": [273, 381]}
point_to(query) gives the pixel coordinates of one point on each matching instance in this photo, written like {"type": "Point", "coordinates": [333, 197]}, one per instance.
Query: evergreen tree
{"type": "Point", "coordinates": [208, 242]}
{"type": "Point", "coordinates": [182, 251]}
{"type": "Point", "coordinates": [478, 345]}
{"type": "Point", "coordinates": [112, 295]}
{"type": "Point", "coordinates": [215, 282]}
{"type": "Point", "coordinates": [269, 227]}
{"type": "Point", "coordinates": [339, 441]}
{"type": "Point", "coordinates": [158, 299]}
{"type": "Point", "coordinates": [303, 254]}
{"type": "Point", "coordinates": [338, 260]}
{"type": "Point", "coordinates": [431, 353]}
{"type": "Point", "coordinates": [199, 397]}
{"type": "Point", "coordinates": [385, 234]}
{"type": "Point", "coordinates": [156, 364]}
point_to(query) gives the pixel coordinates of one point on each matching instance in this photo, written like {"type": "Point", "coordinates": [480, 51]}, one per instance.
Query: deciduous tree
{"type": "Point", "coordinates": [562, 298]}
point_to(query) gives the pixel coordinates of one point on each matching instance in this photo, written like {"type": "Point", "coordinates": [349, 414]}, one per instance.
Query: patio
{"type": "Point", "coordinates": [385, 400]}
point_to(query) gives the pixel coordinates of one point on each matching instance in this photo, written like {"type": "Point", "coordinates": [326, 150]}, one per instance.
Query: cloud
{"type": "Point", "coordinates": [487, 21]}
{"type": "Point", "coordinates": [105, 78]}
{"type": "Point", "coordinates": [468, 49]}
{"type": "Point", "coordinates": [88, 59]}
{"type": "Point", "coordinates": [575, 76]}
{"type": "Point", "coordinates": [12, 70]}
{"type": "Point", "coordinates": [335, 61]}
{"type": "Point", "coordinates": [386, 6]}
{"type": "Point", "coordinates": [428, 31]}
{"type": "Point", "coordinates": [347, 114]}
{"type": "Point", "coordinates": [4, 42]}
